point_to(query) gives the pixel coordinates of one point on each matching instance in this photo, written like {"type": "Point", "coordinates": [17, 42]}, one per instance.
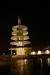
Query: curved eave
{"type": "Point", "coordinates": [23, 27]}
{"type": "Point", "coordinates": [20, 43]}
{"type": "Point", "coordinates": [16, 33]}
{"type": "Point", "coordinates": [20, 38]}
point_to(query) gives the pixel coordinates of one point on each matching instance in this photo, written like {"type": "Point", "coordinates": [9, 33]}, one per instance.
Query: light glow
{"type": "Point", "coordinates": [47, 52]}
{"type": "Point", "coordinates": [33, 53]}
{"type": "Point", "coordinates": [39, 52]}
{"type": "Point", "coordinates": [14, 53]}
{"type": "Point", "coordinates": [48, 60]}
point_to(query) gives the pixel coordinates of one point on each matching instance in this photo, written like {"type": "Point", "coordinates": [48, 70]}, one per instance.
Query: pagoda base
{"type": "Point", "coordinates": [20, 56]}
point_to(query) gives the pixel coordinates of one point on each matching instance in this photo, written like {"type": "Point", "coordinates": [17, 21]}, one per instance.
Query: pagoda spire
{"type": "Point", "coordinates": [19, 21]}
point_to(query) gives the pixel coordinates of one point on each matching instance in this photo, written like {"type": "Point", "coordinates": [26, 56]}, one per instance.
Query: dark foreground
{"type": "Point", "coordinates": [32, 66]}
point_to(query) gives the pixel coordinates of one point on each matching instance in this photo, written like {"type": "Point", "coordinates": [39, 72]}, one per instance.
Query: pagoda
{"type": "Point", "coordinates": [19, 40]}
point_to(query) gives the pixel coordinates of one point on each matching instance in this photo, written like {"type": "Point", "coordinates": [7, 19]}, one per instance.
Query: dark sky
{"type": "Point", "coordinates": [35, 16]}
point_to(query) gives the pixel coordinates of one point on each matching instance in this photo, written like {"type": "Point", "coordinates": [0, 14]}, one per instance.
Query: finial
{"type": "Point", "coordinates": [19, 21]}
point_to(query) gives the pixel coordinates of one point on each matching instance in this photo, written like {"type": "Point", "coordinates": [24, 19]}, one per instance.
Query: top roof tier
{"type": "Point", "coordinates": [19, 26]}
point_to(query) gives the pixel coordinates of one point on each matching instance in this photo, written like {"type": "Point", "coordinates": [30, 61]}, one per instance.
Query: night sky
{"type": "Point", "coordinates": [35, 16]}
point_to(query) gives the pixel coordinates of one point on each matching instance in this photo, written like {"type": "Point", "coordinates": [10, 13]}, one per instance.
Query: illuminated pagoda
{"type": "Point", "coordinates": [19, 40]}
